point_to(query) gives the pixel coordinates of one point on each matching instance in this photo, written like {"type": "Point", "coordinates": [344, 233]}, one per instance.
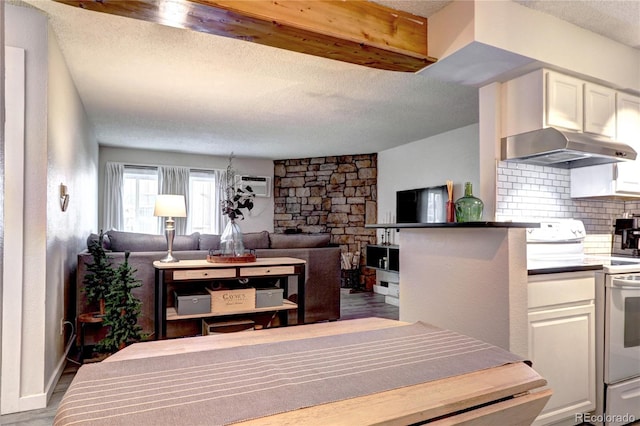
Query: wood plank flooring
{"type": "Point", "coordinates": [352, 306]}
{"type": "Point", "coordinates": [365, 304]}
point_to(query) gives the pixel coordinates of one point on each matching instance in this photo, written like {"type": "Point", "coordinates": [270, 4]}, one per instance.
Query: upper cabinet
{"type": "Point", "coordinates": [628, 119]}
{"type": "Point", "coordinates": [618, 179]}
{"type": "Point", "coordinates": [544, 98]}
{"type": "Point", "coordinates": [564, 101]}
{"type": "Point", "coordinates": [600, 110]}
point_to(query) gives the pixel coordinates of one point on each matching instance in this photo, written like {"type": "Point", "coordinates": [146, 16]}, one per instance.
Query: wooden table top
{"type": "Point", "coordinates": [402, 406]}
{"type": "Point", "coordinates": [201, 263]}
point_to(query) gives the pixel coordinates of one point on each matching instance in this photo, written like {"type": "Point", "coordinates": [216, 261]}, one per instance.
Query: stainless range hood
{"type": "Point", "coordinates": [563, 149]}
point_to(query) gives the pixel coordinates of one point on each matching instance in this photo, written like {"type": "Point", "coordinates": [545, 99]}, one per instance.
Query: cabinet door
{"type": "Point", "coordinates": [628, 119]}
{"type": "Point", "coordinates": [562, 349]}
{"type": "Point", "coordinates": [599, 110]}
{"type": "Point", "coordinates": [627, 177]}
{"type": "Point", "coordinates": [564, 102]}
{"type": "Point", "coordinates": [628, 131]}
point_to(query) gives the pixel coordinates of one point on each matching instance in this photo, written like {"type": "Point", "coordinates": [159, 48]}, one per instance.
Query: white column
{"type": "Point", "coordinates": [489, 148]}
{"type": "Point", "coordinates": [13, 271]}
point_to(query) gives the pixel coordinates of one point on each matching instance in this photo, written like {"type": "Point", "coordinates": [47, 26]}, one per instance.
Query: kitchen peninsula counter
{"type": "Point", "coordinates": [473, 282]}
{"type": "Point", "coordinates": [455, 225]}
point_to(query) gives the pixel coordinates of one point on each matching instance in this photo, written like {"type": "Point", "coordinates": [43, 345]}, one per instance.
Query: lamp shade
{"type": "Point", "coordinates": [170, 206]}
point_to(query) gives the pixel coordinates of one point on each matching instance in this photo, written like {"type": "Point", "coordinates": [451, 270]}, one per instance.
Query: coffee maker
{"type": "Point", "coordinates": [626, 237]}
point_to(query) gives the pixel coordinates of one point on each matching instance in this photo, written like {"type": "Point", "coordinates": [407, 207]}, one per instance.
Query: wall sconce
{"type": "Point", "coordinates": [64, 198]}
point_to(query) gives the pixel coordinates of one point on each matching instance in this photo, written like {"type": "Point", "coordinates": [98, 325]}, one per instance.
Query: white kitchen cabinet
{"type": "Point", "coordinates": [564, 102]}
{"type": "Point", "coordinates": [545, 98]}
{"type": "Point", "coordinates": [628, 119]}
{"type": "Point", "coordinates": [618, 179]}
{"type": "Point", "coordinates": [562, 342]}
{"type": "Point", "coordinates": [600, 110]}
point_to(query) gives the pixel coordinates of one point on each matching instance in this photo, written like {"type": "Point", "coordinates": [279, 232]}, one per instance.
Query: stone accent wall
{"type": "Point", "coordinates": [335, 195]}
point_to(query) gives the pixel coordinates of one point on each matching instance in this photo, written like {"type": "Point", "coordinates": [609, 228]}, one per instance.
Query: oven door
{"type": "Point", "coordinates": [622, 328]}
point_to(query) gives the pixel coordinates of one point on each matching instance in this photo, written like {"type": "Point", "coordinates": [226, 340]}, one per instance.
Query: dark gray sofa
{"type": "Point", "coordinates": [322, 283]}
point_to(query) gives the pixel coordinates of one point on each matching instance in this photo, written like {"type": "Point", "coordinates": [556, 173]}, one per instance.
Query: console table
{"type": "Point", "coordinates": [190, 271]}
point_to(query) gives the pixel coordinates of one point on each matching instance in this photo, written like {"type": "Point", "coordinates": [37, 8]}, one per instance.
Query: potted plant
{"type": "Point", "coordinates": [122, 310]}
{"type": "Point", "coordinates": [235, 199]}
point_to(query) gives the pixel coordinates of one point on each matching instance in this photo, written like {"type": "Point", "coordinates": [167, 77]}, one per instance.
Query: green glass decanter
{"type": "Point", "coordinates": [469, 208]}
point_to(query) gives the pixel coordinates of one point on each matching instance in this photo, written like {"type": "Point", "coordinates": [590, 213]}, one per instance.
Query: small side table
{"type": "Point", "coordinates": [83, 320]}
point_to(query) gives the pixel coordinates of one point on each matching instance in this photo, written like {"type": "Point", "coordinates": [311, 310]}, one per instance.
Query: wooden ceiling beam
{"type": "Point", "coordinates": [354, 31]}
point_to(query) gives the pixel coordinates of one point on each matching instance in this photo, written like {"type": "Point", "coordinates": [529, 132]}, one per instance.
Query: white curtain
{"type": "Point", "coordinates": [220, 219]}
{"type": "Point", "coordinates": [175, 180]}
{"type": "Point", "coordinates": [113, 210]}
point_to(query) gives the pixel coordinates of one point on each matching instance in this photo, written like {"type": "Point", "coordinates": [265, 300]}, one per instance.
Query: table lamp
{"type": "Point", "coordinates": [170, 206]}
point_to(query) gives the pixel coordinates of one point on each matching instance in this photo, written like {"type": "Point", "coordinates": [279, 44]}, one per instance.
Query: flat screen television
{"type": "Point", "coordinates": [422, 205]}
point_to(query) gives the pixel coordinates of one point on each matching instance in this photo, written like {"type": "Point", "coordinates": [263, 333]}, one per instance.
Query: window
{"type": "Point", "coordinates": [203, 208]}
{"type": "Point", "coordinates": [140, 190]}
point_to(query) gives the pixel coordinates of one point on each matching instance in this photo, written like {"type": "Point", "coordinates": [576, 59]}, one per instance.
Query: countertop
{"type": "Point", "coordinates": [609, 264]}
{"type": "Point", "coordinates": [538, 267]}
{"type": "Point", "coordinates": [483, 224]}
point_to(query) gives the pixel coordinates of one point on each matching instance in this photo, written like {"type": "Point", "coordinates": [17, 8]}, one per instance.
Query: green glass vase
{"type": "Point", "coordinates": [469, 208]}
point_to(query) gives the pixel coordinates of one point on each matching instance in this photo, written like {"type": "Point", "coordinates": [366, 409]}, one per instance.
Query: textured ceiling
{"type": "Point", "coordinates": [616, 19]}
{"type": "Point", "coordinates": [149, 86]}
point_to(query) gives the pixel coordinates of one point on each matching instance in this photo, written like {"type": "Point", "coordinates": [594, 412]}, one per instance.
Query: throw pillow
{"type": "Point", "coordinates": [106, 244]}
{"type": "Point", "coordinates": [284, 241]}
{"type": "Point", "coordinates": [256, 240]}
{"type": "Point", "coordinates": [186, 242]}
{"type": "Point", "coordinates": [209, 242]}
{"type": "Point", "coordinates": [132, 241]}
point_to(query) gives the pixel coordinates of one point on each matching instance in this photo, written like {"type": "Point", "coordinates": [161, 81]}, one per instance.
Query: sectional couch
{"type": "Point", "coordinates": [322, 283]}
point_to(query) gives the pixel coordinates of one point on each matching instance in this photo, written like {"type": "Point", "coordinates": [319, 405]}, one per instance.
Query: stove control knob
{"type": "Point", "coordinates": [578, 232]}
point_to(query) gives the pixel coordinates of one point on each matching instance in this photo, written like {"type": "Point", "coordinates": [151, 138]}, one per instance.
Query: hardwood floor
{"type": "Point", "coordinates": [365, 304]}
{"type": "Point", "coordinates": [352, 305]}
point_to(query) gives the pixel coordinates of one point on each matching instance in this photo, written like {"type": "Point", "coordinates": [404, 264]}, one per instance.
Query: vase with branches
{"type": "Point", "coordinates": [235, 200]}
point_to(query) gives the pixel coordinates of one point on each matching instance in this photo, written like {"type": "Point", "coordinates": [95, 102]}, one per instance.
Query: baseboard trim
{"type": "Point", "coordinates": [58, 371]}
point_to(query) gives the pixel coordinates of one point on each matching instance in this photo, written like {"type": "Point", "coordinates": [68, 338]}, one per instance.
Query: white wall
{"type": "Point", "coordinates": [259, 218]}
{"type": "Point", "coordinates": [57, 146]}
{"type": "Point", "coordinates": [428, 162]}
{"type": "Point", "coordinates": [72, 161]}
{"type": "Point", "coordinates": [22, 388]}
{"type": "Point", "coordinates": [2, 169]}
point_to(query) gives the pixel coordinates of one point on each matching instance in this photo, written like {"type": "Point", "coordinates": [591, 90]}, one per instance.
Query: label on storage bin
{"type": "Point", "coordinates": [232, 300]}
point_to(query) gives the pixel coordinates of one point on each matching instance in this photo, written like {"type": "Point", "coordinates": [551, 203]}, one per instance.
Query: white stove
{"type": "Point", "coordinates": [558, 246]}
{"type": "Point", "coordinates": [559, 243]}
{"type": "Point", "coordinates": [615, 265]}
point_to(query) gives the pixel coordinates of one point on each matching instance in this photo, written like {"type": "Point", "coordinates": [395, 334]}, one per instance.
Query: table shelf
{"type": "Point", "coordinates": [200, 272]}
{"type": "Point", "coordinates": [172, 315]}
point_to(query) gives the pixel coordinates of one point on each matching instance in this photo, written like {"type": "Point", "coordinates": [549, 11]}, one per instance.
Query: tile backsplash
{"type": "Point", "coordinates": [527, 192]}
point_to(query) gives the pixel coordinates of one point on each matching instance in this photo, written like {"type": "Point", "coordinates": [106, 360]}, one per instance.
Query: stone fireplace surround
{"type": "Point", "coordinates": [335, 195]}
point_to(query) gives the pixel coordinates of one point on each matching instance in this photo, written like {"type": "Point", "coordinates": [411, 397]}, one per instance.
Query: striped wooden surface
{"type": "Point", "coordinates": [243, 376]}
{"type": "Point", "coordinates": [353, 305]}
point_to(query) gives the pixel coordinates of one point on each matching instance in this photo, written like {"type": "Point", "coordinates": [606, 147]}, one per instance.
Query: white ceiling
{"type": "Point", "coordinates": [149, 86]}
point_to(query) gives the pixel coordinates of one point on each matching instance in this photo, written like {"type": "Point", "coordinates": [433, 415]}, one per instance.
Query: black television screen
{"type": "Point", "coordinates": [422, 205]}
